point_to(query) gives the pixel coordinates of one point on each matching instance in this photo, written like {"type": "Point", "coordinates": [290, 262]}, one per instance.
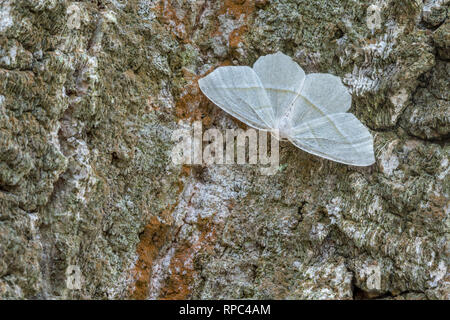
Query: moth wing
{"type": "Point", "coordinates": [238, 91]}
{"type": "Point", "coordinates": [283, 80]}
{"type": "Point", "coordinates": [322, 94]}
{"type": "Point", "coordinates": [340, 137]}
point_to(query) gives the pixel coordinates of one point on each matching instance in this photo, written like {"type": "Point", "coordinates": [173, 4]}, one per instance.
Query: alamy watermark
{"type": "Point", "coordinates": [233, 146]}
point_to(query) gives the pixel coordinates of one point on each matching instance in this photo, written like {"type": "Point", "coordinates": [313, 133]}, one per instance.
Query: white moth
{"type": "Point", "coordinates": [308, 110]}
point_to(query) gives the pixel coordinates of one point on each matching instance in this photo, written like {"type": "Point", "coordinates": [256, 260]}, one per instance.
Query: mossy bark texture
{"type": "Point", "coordinates": [91, 91]}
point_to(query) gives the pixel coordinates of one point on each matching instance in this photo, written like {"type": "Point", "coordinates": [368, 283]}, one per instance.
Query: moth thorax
{"type": "Point", "coordinates": [283, 129]}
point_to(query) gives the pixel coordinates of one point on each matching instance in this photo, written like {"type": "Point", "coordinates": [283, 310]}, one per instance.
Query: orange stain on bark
{"type": "Point", "coordinates": [152, 239]}
{"type": "Point", "coordinates": [236, 8]}
{"type": "Point", "coordinates": [192, 103]}
{"type": "Point", "coordinates": [236, 36]}
{"type": "Point", "coordinates": [192, 106]}
{"type": "Point", "coordinates": [178, 285]}
{"type": "Point", "coordinates": [156, 233]}
{"type": "Point", "coordinates": [168, 16]}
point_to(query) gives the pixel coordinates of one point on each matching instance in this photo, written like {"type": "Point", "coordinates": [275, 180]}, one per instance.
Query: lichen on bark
{"type": "Point", "coordinates": [91, 91]}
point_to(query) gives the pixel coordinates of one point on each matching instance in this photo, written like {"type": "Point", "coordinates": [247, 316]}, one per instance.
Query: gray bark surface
{"type": "Point", "coordinates": [91, 91]}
